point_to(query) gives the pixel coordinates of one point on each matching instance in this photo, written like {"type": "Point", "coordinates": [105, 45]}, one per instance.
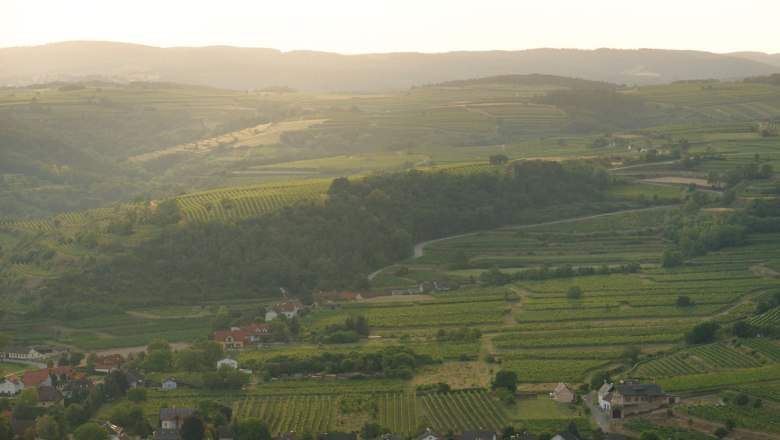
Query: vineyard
{"type": "Point", "coordinates": [296, 413]}
{"type": "Point", "coordinates": [248, 201]}
{"type": "Point", "coordinates": [754, 419]}
{"type": "Point", "coordinates": [462, 411]}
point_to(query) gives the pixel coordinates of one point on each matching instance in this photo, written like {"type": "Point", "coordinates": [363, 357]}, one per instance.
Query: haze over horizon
{"type": "Point", "coordinates": [352, 27]}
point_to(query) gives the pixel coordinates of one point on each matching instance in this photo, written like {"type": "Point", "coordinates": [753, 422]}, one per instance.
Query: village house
{"type": "Point", "coordinates": [563, 394]}
{"type": "Point", "coordinates": [106, 363]}
{"type": "Point", "coordinates": [287, 308]}
{"type": "Point", "coordinates": [135, 378]}
{"type": "Point", "coordinates": [166, 434]}
{"type": "Point", "coordinates": [632, 397]}
{"type": "Point", "coordinates": [172, 418]}
{"type": "Point", "coordinates": [48, 396]}
{"type": "Point", "coordinates": [430, 434]}
{"type": "Point", "coordinates": [114, 431]}
{"type": "Point", "coordinates": [239, 338]}
{"type": "Point", "coordinates": [77, 387]}
{"type": "Point", "coordinates": [172, 383]}
{"type": "Point", "coordinates": [36, 378]}
{"type": "Point", "coordinates": [11, 385]}
{"type": "Point", "coordinates": [481, 434]}
{"type": "Point", "coordinates": [442, 285]}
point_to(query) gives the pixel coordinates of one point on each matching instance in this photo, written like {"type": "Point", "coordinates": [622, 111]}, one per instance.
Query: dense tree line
{"type": "Point", "coordinates": [694, 232]}
{"type": "Point", "coordinates": [594, 110]}
{"type": "Point", "coordinates": [391, 362]}
{"type": "Point", "coordinates": [363, 224]}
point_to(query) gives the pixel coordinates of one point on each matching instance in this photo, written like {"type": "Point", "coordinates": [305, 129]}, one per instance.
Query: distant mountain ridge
{"type": "Point", "coordinates": [256, 68]}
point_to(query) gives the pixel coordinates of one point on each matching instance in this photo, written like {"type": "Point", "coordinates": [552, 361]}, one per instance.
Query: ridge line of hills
{"type": "Point", "coordinates": [240, 68]}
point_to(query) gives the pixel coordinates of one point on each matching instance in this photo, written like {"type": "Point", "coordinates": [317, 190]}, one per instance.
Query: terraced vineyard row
{"type": "Point", "coordinates": [754, 419]}
{"type": "Point", "coordinates": [764, 346]}
{"type": "Point", "coordinates": [770, 317]}
{"type": "Point", "coordinates": [698, 359]}
{"type": "Point", "coordinates": [283, 414]}
{"type": "Point", "coordinates": [462, 411]}
{"type": "Point", "coordinates": [245, 202]}
{"type": "Point", "coordinates": [763, 391]}
{"type": "Point", "coordinates": [399, 413]}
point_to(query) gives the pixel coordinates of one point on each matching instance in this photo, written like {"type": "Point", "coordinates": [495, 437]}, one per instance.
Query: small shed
{"type": "Point", "coordinates": [563, 394]}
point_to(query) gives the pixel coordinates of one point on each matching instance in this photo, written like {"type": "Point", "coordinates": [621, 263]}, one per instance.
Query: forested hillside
{"type": "Point", "coordinates": [361, 226]}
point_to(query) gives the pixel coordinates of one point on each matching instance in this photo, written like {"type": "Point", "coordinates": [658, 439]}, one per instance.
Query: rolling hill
{"type": "Point", "coordinates": [254, 68]}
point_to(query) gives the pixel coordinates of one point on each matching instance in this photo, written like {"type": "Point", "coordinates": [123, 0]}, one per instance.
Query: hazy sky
{"type": "Point", "coordinates": [362, 26]}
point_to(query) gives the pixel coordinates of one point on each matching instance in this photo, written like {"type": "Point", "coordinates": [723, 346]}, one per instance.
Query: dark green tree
{"type": "Point", "coordinates": [505, 379]}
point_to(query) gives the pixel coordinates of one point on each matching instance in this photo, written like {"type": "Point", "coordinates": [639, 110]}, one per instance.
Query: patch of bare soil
{"type": "Point", "coordinates": [457, 374]}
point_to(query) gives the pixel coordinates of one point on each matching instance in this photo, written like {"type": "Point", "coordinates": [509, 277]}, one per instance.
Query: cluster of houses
{"type": "Point", "coordinates": [239, 338]}
{"type": "Point", "coordinates": [623, 399]}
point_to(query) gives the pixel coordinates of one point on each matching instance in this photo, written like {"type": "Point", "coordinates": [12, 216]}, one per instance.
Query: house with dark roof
{"type": "Point", "coordinates": [430, 434]}
{"type": "Point", "coordinates": [48, 396]}
{"type": "Point", "coordinates": [77, 387]}
{"type": "Point", "coordinates": [480, 434]}
{"type": "Point", "coordinates": [632, 398]}
{"type": "Point", "coordinates": [135, 378]}
{"type": "Point", "coordinates": [172, 418]}
{"type": "Point", "coordinates": [19, 427]}
{"type": "Point", "coordinates": [442, 285]}
{"type": "Point", "coordinates": [166, 434]}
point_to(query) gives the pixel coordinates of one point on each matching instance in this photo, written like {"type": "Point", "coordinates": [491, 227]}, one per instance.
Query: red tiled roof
{"type": "Point", "coordinates": [289, 306]}
{"type": "Point", "coordinates": [35, 377]}
{"type": "Point", "coordinates": [111, 359]}
{"type": "Point", "coordinates": [238, 336]}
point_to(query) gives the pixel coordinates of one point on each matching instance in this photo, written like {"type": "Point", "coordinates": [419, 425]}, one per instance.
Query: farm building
{"type": "Point", "coordinates": [563, 394]}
